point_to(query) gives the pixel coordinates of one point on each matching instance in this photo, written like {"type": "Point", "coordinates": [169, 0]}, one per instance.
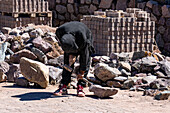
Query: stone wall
{"type": "Point", "coordinates": [71, 10]}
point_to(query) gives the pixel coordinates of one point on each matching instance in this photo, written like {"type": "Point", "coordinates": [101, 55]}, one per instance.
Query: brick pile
{"type": "Point", "coordinates": [118, 31]}
{"type": "Point", "coordinates": [15, 13]}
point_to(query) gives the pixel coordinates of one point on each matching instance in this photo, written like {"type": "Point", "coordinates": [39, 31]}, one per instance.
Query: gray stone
{"type": "Point", "coordinates": [125, 65]}
{"type": "Point", "coordinates": [3, 48]}
{"type": "Point", "coordinates": [21, 81]}
{"type": "Point", "coordinates": [33, 34]}
{"type": "Point", "coordinates": [73, 17]}
{"type": "Point", "coordinates": [125, 73]}
{"type": "Point", "coordinates": [25, 36]}
{"type": "Point", "coordinates": [121, 5]}
{"type": "Point", "coordinates": [40, 55]}
{"type": "Point", "coordinates": [115, 84]}
{"type": "Point", "coordinates": [163, 95]}
{"type": "Point", "coordinates": [128, 84]}
{"type": "Point", "coordinates": [55, 74]}
{"type": "Point", "coordinates": [83, 9]}
{"type": "Point", "coordinates": [70, 8]}
{"type": "Point", "coordinates": [15, 58]}
{"type": "Point", "coordinates": [13, 72]}
{"type": "Point", "coordinates": [141, 5]}
{"type": "Point", "coordinates": [120, 78]}
{"type": "Point", "coordinates": [71, 1]}
{"type": "Point", "coordinates": [157, 10]}
{"type": "Point", "coordinates": [105, 4]}
{"type": "Point", "coordinates": [35, 71]}
{"type": "Point", "coordinates": [161, 21]}
{"type": "Point", "coordinates": [159, 40]}
{"type": "Point", "coordinates": [57, 61]}
{"type": "Point", "coordinates": [151, 3]}
{"type": "Point", "coordinates": [64, 1]}
{"type": "Point", "coordinates": [96, 2]}
{"type": "Point", "coordinates": [67, 16]}
{"type": "Point", "coordinates": [102, 92]}
{"type": "Point", "coordinates": [138, 55]}
{"type": "Point", "coordinates": [82, 1]}
{"type": "Point", "coordinates": [153, 17]}
{"type": "Point", "coordinates": [149, 79]}
{"type": "Point", "coordinates": [165, 65]}
{"type": "Point", "coordinates": [88, 1]}
{"type": "Point", "coordinates": [92, 9]}
{"type": "Point", "coordinates": [166, 11]}
{"type": "Point", "coordinates": [61, 9]}
{"type": "Point", "coordinates": [61, 17]}
{"type": "Point", "coordinates": [161, 29]}
{"type": "Point", "coordinates": [58, 1]}
{"type": "Point", "coordinates": [42, 45]}
{"type": "Point", "coordinates": [104, 72]}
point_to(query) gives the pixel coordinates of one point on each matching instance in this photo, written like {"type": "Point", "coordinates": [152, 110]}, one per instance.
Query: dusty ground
{"type": "Point", "coordinates": [15, 99]}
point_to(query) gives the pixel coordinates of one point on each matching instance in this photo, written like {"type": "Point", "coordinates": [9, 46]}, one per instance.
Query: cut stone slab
{"type": "Point", "coordinates": [104, 72]}
{"type": "Point", "coordinates": [35, 71]}
{"type": "Point", "coordinates": [102, 92]}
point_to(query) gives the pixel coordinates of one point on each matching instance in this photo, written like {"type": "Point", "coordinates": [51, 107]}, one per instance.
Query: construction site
{"type": "Point", "coordinates": [129, 72]}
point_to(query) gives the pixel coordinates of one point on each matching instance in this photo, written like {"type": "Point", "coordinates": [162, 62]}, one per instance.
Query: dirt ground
{"type": "Point", "coordinates": [14, 99]}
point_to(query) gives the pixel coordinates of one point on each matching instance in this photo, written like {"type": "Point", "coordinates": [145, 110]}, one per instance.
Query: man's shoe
{"type": "Point", "coordinates": [80, 92]}
{"type": "Point", "coordinates": [61, 91]}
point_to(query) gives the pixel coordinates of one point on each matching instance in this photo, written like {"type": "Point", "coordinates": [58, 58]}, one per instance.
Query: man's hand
{"type": "Point", "coordinates": [80, 75]}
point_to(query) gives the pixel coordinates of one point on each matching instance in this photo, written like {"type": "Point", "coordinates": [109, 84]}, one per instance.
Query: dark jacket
{"type": "Point", "coordinates": [76, 38]}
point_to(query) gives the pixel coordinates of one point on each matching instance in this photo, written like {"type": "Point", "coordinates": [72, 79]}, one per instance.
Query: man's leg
{"type": "Point", "coordinates": [66, 78]}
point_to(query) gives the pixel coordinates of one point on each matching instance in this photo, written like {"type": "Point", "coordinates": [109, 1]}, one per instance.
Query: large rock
{"type": "Point", "coordinates": [42, 45]}
{"type": "Point", "coordinates": [121, 5]}
{"type": "Point", "coordinates": [55, 74]}
{"type": "Point", "coordinates": [161, 21]}
{"type": "Point", "coordinates": [61, 9]}
{"type": "Point", "coordinates": [115, 84]}
{"type": "Point", "coordinates": [151, 3]}
{"type": "Point", "coordinates": [21, 81]}
{"type": "Point", "coordinates": [161, 29]}
{"type": "Point", "coordinates": [149, 79]}
{"type": "Point", "coordinates": [13, 72]}
{"type": "Point", "coordinates": [57, 61]}
{"type": "Point", "coordinates": [165, 65]}
{"type": "Point", "coordinates": [163, 95]}
{"type": "Point", "coordinates": [15, 58]}
{"type": "Point", "coordinates": [40, 55]}
{"type": "Point", "coordinates": [35, 71]}
{"type": "Point", "coordinates": [83, 9]}
{"type": "Point", "coordinates": [125, 65]}
{"type": "Point", "coordinates": [157, 10]}
{"type": "Point", "coordinates": [166, 11]}
{"type": "Point", "coordinates": [70, 8]}
{"type": "Point", "coordinates": [92, 8]}
{"type": "Point", "coordinates": [105, 4]}
{"type": "Point", "coordinates": [104, 72]}
{"type": "Point", "coordinates": [102, 92]}
{"type": "Point", "coordinates": [141, 5]}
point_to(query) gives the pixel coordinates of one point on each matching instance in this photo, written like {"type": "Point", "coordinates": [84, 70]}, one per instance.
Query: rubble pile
{"type": "Point", "coordinates": [31, 55]}
{"type": "Point", "coordinates": [135, 71]}
{"type": "Point", "coordinates": [27, 54]}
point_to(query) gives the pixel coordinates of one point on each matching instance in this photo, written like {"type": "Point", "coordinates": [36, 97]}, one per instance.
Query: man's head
{"type": "Point", "coordinates": [68, 44]}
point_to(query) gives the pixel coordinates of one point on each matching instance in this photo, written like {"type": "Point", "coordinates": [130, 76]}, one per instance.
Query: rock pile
{"type": "Point", "coordinates": [31, 54]}
{"type": "Point", "coordinates": [25, 54]}
{"type": "Point", "coordinates": [136, 71]}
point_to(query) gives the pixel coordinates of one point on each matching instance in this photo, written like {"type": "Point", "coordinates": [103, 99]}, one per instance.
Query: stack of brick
{"type": "Point", "coordinates": [118, 31]}
{"type": "Point", "coordinates": [15, 13]}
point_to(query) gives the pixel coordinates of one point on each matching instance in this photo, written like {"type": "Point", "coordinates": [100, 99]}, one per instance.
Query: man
{"type": "Point", "coordinates": [75, 39]}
